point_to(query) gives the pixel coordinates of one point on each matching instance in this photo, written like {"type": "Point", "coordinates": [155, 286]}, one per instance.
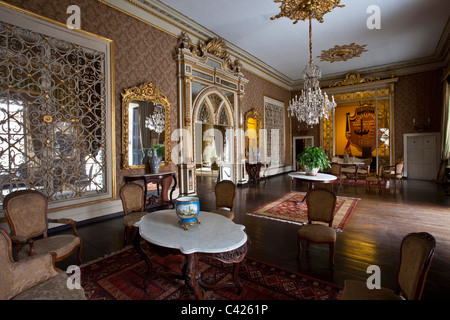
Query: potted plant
{"type": "Point", "coordinates": [313, 159]}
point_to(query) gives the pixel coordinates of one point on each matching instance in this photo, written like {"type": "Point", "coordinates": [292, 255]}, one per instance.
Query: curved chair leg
{"type": "Point", "coordinates": [331, 245]}
{"type": "Point", "coordinates": [299, 245]}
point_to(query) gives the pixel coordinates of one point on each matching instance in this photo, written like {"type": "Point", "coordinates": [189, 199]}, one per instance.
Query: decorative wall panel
{"type": "Point", "coordinates": [54, 111]}
{"type": "Point", "coordinates": [274, 123]}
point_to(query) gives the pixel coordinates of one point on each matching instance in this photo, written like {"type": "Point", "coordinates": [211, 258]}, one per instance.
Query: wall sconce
{"type": "Point", "coordinates": [421, 127]}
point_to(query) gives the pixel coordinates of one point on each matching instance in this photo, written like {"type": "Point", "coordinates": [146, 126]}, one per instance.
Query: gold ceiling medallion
{"type": "Point", "coordinates": [342, 53]}
{"type": "Point", "coordinates": [304, 9]}
{"type": "Point", "coordinates": [353, 77]}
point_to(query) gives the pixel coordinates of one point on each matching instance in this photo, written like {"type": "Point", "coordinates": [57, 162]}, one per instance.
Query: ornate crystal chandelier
{"type": "Point", "coordinates": [312, 104]}
{"type": "Point", "coordinates": [156, 121]}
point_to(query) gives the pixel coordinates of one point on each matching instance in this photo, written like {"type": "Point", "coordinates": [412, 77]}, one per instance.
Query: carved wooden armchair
{"type": "Point", "coordinates": [321, 205]}
{"type": "Point", "coordinates": [416, 252]}
{"type": "Point", "coordinates": [34, 278]}
{"type": "Point", "coordinates": [133, 204]}
{"type": "Point", "coordinates": [394, 172]}
{"type": "Point", "coordinates": [225, 192]}
{"type": "Point", "coordinates": [26, 212]}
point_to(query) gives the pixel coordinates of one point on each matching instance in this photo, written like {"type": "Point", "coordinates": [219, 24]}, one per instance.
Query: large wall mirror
{"type": "Point", "coordinates": [145, 125]}
{"type": "Point", "coordinates": [253, 123]}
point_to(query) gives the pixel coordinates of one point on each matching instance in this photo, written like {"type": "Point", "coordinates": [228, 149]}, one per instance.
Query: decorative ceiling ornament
{"type": "Point", "coordinates": [216, 47]}
{"type": "Point", "coordinates": [306, 9]}
{"type": "Point", "coordinates": [342, 53]}
{"type": "Point", "coordinates": [312, 104]}
{"type": "Point", "coordinates": [353, 77]}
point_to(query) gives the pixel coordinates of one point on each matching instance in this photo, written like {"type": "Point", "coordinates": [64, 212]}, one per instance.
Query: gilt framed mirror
{"type": "Point", "coordinates": [145, 125]}
{"type": "Point", "coordinates": [253, 123]}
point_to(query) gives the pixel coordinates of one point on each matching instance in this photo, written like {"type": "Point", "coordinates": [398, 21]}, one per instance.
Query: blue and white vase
{"type": "Point", "coordinates": [154, 162]}
{"type": "Point", "coordinates": [187, 210]}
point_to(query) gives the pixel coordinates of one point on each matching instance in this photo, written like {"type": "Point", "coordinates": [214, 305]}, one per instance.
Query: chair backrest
{"type": "Point", "coordinates": [225, 192]}
{"type": "Point", "coordinates": [335, 168]}
{"type": "Point", "coordinates": [417, 250]}
{"type": "Point", "coordinates": [6, 258]}
{"type": "Point", "coordinates": [321, 204]}
{"type": "Point", "coordinates": [380, 171]}
{"type": "Point", "coordinates": [399, 167]}
{"type": "Point", "coordinates": [26, 213]}
{"type": "Point", "coordinates": [133, 197]}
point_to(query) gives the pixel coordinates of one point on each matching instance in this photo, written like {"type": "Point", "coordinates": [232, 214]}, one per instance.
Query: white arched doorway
{"type": "Point", "coordinates": [213, 128]}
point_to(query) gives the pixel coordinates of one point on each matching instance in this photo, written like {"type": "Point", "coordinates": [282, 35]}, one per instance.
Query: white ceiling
{"type": "Point", "coordinates": [410, 30]}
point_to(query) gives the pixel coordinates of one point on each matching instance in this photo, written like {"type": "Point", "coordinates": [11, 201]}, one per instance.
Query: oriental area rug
{"type": "Point", "coordinates": [120, 277]}
{"type": "Point", "coordinates": [288, 209]}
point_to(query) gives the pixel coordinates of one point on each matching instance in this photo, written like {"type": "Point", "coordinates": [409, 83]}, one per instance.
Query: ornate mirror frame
{"type": "Point", "coordinates": [144, 92]}
{"type": "Point", "coordinates": [254, 114]}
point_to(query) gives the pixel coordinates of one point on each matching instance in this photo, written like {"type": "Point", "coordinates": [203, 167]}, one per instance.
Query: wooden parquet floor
{"type": "Point", "coordinates": [372, 235]}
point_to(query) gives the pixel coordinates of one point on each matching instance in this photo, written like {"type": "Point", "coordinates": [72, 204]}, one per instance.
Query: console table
{"type": "Point", "coordinates": [163, 180]}
{"type": "Point", "coordinates": [254, 169]}
{"type": "Point", "coordinates": [215, 237]}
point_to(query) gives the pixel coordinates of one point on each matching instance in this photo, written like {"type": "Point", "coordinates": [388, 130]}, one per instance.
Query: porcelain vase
{"type": "Point", "coordinates": [311, 171]}
{"type": "Point", "coordinates": [154, 161]}
{"type": "Point", "coordinates": [187, 210]}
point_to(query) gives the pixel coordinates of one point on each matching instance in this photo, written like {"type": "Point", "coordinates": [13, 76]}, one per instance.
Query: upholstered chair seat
{"type": "Point", "coordinates": [62, 245]}
{"type": "Point", "coordinates": [416, 253]}
{"type": "Point", "coordinates": [32, 278]}
{"type": "Point", "coordinates": [225, 192]}
{"type": "Point", "coordinates": [27, 214]}
{"type": "Point", "coordinates": [133, 203]}
{"type": "Point", "coordinates": [224, 212]}
{"type": "Point", "coordinates": [130, 219]}
{"type": "Point", "coordinates": [317, 233]}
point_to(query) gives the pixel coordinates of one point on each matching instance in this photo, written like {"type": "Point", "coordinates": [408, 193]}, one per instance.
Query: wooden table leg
{"type": "Point", "coordinates": [190, 271]}
{"type": "Point", "coordinates": [137, 246]}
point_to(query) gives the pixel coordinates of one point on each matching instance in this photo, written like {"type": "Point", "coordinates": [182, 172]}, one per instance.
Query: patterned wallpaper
{"type": "Point", "coordinates": [418, 96]}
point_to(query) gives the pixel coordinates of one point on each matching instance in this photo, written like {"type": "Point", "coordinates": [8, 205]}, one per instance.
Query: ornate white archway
{"type": "Point", "coordinates": [210, 87]}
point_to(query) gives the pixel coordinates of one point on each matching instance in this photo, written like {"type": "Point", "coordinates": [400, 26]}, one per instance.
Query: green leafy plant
{"type": "Point", "coordinates": [159, 150]}
{"type": "Point", "coordinates": [314, 157]}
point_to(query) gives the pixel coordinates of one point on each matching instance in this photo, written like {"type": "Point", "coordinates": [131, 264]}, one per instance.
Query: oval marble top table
{"type": "Point", "coordinates": [214, 233]}
{"type": "Point", "coordinates": [320, 177]}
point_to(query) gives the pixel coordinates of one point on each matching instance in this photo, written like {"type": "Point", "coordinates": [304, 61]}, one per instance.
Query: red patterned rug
{"type": "Point", "coordinates": [120, 277]}
{"type": "Point", "coordinates": [288, 209]}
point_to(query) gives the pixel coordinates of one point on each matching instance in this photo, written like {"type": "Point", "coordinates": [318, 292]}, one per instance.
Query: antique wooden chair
{"type": "Point", "coordinates": [394, 172]}
{"type": "Point", "coordinates": [416, 252]}
{"type": "Point", "coordinates": [26, 212]}
{"type": "Point", "coordinates": [34, 278]}
{"type": "Point", "coordinates": [133, 204]}
{"type": "Point", "coordinates": [335, 170]}
{"type": "Point", "coordinates": [321, 205]}
{"type": "Point", "coordinates": [365, 170]}
{"type": "Point", "coordinates": [225, 192]}
{"type": "Point", "coordinates": [375, 179]}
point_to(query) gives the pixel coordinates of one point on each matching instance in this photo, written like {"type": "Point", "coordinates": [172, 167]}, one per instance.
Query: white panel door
{"type": "Point", "coordinates": [422, 157]}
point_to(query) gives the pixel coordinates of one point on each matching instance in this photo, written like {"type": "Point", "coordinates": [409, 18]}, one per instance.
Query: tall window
{"type": "Point", "coordinates": [53, 116]}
